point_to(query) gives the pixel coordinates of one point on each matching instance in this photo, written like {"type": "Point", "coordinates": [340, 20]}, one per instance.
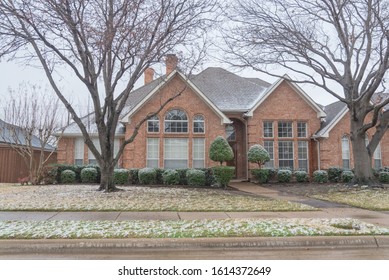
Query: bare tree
{"type": "Point", "coordinates": [107, 44]}
{"type": "Point", "coordinates": [32, 116]}
{"type": "Point", "coordinates": [331, 44]}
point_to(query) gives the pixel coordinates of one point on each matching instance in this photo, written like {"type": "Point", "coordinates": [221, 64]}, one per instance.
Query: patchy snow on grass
{"type": "Point", "coordinates": [87, 198]}
{"type": "Point", "coordinates": [373, 199]}
{"type": "Point", "coordinates": [186, 228]}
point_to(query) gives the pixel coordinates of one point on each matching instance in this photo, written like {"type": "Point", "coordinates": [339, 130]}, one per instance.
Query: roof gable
{"type": "Point", "coordinates": [153, 89]}
{"type": "Point", "coordinates": [335, 112]}
{"type": "Point", "coordinates": [296, 88]}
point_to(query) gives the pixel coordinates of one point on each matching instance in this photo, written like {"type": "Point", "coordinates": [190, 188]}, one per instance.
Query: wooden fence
{"type": "Point", "coordinates": [12, 165]}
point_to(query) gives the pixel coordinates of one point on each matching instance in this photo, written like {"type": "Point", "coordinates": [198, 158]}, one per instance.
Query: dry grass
{"type": "Point", "coordinates": [86, 198]}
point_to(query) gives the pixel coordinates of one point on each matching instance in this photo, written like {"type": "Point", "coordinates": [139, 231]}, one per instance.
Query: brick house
{"type": "Point", "coordinates": [297, 132]}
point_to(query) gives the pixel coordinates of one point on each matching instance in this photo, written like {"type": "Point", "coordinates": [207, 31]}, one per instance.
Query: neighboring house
{"type": "Point", "coordinates": [12, 165]}
{"type": "Point", "coordinates": [247, 111]}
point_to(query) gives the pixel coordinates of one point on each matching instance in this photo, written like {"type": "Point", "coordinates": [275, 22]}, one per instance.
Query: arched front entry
{"type": "Point", "coordinates": [236, 137]}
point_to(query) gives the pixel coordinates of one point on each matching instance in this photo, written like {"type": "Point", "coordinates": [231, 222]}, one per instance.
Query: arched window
{"type": "Point", "coordinates": [198, 124]}
{"type": "Point", "coordinates": [230, 133]}
{"type": "Point", "coordinates": [176, 121]}
{"type": "Point", "coordinates": [345, 152]}
{"type": "Point", "coordinates": [153, 124]}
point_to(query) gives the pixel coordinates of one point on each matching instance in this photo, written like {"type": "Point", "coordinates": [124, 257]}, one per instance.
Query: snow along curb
{"type": "Point", "coordinates": [64, 245]}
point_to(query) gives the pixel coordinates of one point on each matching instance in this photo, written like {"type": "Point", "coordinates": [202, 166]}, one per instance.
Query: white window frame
{"type": "Point", "coordinates": [79, 146]}
{"type": "Point", "coordinates": [280, 159]}
{"type": "Point", "coordinates": [175, 146]}
{"type": "Point", "coordinates": [265, 129]}
{"type": "Point", "coordinates": [152, 157]}
{"type": "Point", "coordinates": [377, 157]}
{"type": "Point", "coordinates": [289, 129]}
{"type": "Point", "coordinates": [345, 152]}
{"type": "Point", "coordinates": [305, 129]}
{"type": "Point", "coordinates": [198, 152]}
{"type": "Point", "coordinates": [269, 164]}
{"type": "Point", "coordinates": [153, 124]}
{"type": "Point", "coordinates": [198, 120]}
{"type": "Point", "coordinates": [173, 122]}
{"type": "Point", "coordinates": [306, 158]}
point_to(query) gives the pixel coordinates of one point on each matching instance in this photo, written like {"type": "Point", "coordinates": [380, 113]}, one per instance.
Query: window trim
{"type": "Point", "coordinates": [234, 133]}
{"type": "Point", "coordinates": [194, 154]}
{"type": "Point", "coordinates": [264, 130]}
{"type": "Point", "coordinates": [147, 151]}
{"type": "Point", "coordinates": [291, 129]}
{"type": "Point", "coordinates": [153, 119]}
{"type": "Point", "coordinates": [345, 139]}
{"type": "Point", "coordinates": [164, 151]}
{"type": "Point", "coordinates": [306, 129]}
{"type": "Point", "coordinates": [307, 154]}
{"type": "Point", "coordinates": [198, 121]}
{"type": "Point", "coordinates": [270, 163]}
{"type": "Point", "coordinates": [183, 121]}
{"type": "Point", "coordinates": [289, 159]}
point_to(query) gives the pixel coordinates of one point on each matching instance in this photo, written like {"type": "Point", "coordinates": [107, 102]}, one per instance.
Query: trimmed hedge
{"type": "Point", "coordinates": [68, 177]}
{"type": "Point", "coordinates": [170, 177]}
{"type": "Point", "coordinates": [301, 176]}
{"type": "Point", "coordinates": [182, 175]}
{"type": "Point", "coordinates": [147, 176]}
{"type": "Point", "coordinates": [347, 176]}
{"type": "Point", "coordinates": [133, 174]}
{"type": "Point", "coordinates": [223, 174]}
{"type": "Point", "coordinates": [196, 177]}
{"type": "Point", "coordinates": [90, 175]}
{"type": "Point", "coordinates": [284, 175]}
{"type": "Point", "coordinates": [121, 176]}
{"type": "Point", "coordinates": [335, 174]}
{"type": "Point", "coordinates": [261, 175]}
{"type": "Point", "coordinates": [384, 177]}
{"type": "Point", "coordinates": [320, 176]}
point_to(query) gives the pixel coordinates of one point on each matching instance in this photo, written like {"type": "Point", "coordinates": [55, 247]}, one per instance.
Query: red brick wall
{"type": "Point", "coordinates": [331, 148]}
{"type": "Point", "coordinates": [189, 102]}
{"type": "Point", "coordinates": [284, 104]}
{"type": "Point", "coordinates": [65, 150]}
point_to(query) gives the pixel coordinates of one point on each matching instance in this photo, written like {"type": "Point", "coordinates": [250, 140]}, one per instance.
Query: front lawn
{"type": "Point", "coordinates": [186, 229]}
{"type": "Point", "coordinates": [368, 198]}
{"type": "Point", "coordinates": [132, 198]}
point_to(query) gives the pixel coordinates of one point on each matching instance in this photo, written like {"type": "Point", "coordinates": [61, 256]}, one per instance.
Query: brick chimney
{"type": "Point", "coordinates": [171, 63]}
{"type": "Point", "coordinates": [149, 75]}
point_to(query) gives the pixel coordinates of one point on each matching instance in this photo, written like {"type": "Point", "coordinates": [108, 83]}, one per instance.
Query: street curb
{"type": "Point", "coordinates": [264, 243]}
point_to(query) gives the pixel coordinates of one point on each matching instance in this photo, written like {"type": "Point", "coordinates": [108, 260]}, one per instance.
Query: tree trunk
{"type": "Point", "coordinates": [363, 172]}
{"type": "Point", "coordinates": [107, 183]}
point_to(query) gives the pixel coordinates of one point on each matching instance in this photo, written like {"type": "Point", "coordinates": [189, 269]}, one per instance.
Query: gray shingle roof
{"type": "Point", "coordinates": [332, 110]}
{"type": "Point", "coordinates": [228, 91]}
{"type": "Point", "coordinates": [11, 134]}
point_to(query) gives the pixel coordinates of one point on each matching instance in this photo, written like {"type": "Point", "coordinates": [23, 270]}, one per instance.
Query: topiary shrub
{"type": "Point", "coordinates": [170, 177]}
{"type": "Point", "coordinates": [147, 176]}
{"type": "Point", "coordinates": [257, 154]}
{"type": "Point", "coordinates": [334, 174]}
{"type": "Point", "coordinates": [121, 176]}
{"type": "Point", "coordinates": [196, 177]}
{"type": "Point", "coordinates": [89, 175]}
{"type": "Point", "coordinates": [284, 175]}
{"type": "Point", "coordinates": [320, 176]}
{"type": "Point", "coordinates": [384, 177]}
{"type": "Point", "coordinates": [261, 175]}
{"type": "Point", "coordinates": [220, 150]}
{"type": "Point", "coordinates": [134, 178]}
{"type": "Point", "coordinates": [68, 177]}
{"type": "Point", "coordinates": [301, 176]}
{"type": "Point", "coordinates": [347, 176]}
{"type": "Point", "coordinates": [223, 175]}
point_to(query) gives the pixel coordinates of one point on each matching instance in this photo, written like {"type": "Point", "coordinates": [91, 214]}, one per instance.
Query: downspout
{"type": "Point", "coordinates": [245, 117]}
{"type": "Point", "coordinates": [318, 151]}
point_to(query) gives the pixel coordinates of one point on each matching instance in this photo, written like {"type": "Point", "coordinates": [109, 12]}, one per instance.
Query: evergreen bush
{"type": "Point", "coordinates": [182, 174]}
{"type": "Point", "coordinates": [384, 177]}
{"type": "Point", "coordinates": [223, 175]}
{"type": "Point", "coordinates": [301, 176]}
{"type": "Point", "coordinates": [196, 177]}
{"type": "Point", "coordinates": [68, 177]}
{"type": "Point", "coordinates": [320, 176]}
{"type": "Point", "coordinates": [220, 150]}
{"type": "Point", "coordinates": [147, 176]}
{"type": "Point", "coordinates": [334, 174]}
{"type": "Point", "coordinates": [171, 177]}
{"type": "Point", "coordinates": [257, 154]}
{"type": "Point", "coordinates": [284, 175]}
{"type": "Point", "coordinates": [89, 175]}
{"type": "Point", "coordinates": [347, 176]}
{"type": "Point", "coordinates": [261, 175]}
{"type": "Point", "coordinates": [121, 176]}
{"type": "Point", "coordinates": [134, 178]}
